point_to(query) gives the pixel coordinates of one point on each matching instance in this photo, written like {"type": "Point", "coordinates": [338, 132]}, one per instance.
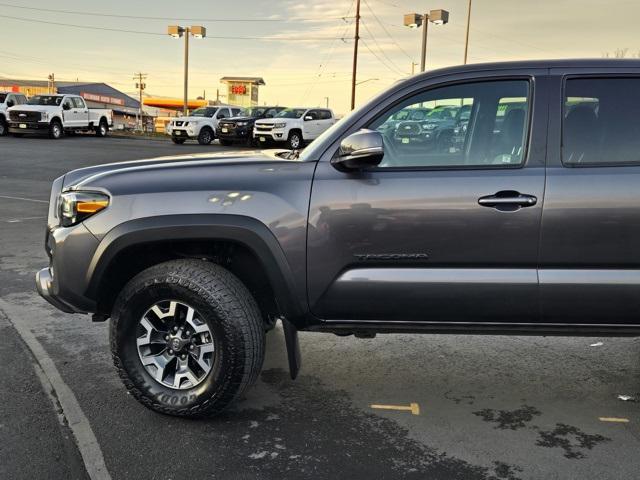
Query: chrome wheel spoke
{"type": "Point", "coordinates": [195, 324]}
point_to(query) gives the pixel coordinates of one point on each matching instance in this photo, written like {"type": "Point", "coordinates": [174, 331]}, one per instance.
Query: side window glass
{"type": "Point", "coordinates": [68, 104]}
{"type": "Point", "coordinates": [470, 125]}
{"type": "Point", "coordinates": [325, 115]}
{"type": "Point", "coordinates": [600, 122]}
{"type": "Point", "coordinates": [313, 114]}
{"type": "Point", "coordinates": [79, 103]}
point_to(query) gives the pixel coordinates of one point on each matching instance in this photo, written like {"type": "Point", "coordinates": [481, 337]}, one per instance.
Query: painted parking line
{"type": "Point", "coordinates": [414, 408]}
{"type": "Point", "coordinates": [20, 220]}
{"type": "Point", "coordinates": [614, 419]}
{"type": "Point", "coordinates": [24, 199]}
{"type": "Point", "coordinates": [66, 400]}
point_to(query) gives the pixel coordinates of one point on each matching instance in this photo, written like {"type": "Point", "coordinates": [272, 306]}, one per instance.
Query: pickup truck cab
{"type": "Point", "coordinates": [7, 100]}
{"type": "Point", "coordinates": [294, 127]}
{"type": "Point", "coordinates": [528, 223]}
{"type": "Point", "coordinates": [201, 125]}
{"type": "Point", "coordinates": [56, 114]}
{"type": "Point", "coordinates": [239, 129]}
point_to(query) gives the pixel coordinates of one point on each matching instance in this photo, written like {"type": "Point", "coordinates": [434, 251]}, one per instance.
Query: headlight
{"type": "Point", "coordinates": [44, 116]}
{"type": "Point", "coordinates": [280, 125]}
{"type": "Point", "coordinates": [75, 207]}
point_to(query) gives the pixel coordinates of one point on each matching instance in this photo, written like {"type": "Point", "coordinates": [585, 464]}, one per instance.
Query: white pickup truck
{"type": "Point", "coordinates": [201, 125]}
{"type": "Point", "coordinates": [57, 114]}
{"type": "Point", "coordinates": [8, 99]}
{"type": "Point", "coordinates": [296, 126]}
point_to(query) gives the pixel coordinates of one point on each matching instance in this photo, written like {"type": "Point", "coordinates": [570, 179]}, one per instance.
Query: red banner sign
{"type": "Point", "coordinates": [92, 97]}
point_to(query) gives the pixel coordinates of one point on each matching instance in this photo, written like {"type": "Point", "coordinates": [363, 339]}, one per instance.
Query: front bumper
{"type": "Point", "coordinates": [182, 133]}
{"type": "Point", "coordinates": [28, 127]}
{"type": "Point", "coordinates": [234, 134]}
{"type": "Point", "coordinates": [270, 136]}
{"type": "Point", "coordinates": [64, 282]}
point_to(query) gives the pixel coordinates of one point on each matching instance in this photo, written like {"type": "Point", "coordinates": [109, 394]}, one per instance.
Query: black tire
{"type": "Point", "coordinates": [206, 136]}
{"type": "Point", "coordinates": [227, 308]}
{"type": "Point", "coordinates": [178, 141]}
{"type": "Point", "coordinates": [226, 143]}
{"type": "Point", "coordinates": [102, 130]}
{"type": "Point", "coordinates": [55, 129]}
{"type": "Point", "coordinates": [4, 129]}
{"type": "Point", "coordinates": [295, 140]}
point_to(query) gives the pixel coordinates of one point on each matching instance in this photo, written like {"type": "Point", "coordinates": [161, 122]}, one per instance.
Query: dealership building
{"type": "Point", "coordinates": [96, 95]}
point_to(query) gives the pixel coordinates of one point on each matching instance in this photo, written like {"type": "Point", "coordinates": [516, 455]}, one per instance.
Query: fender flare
{"type": "Point", "coordinates": [247, 231]}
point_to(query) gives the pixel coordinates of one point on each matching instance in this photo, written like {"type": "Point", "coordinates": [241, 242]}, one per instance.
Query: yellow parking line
{"type": "Point", "coordinates": [614, 419]}
{"type": "Point", "coordinates": [414, 408]}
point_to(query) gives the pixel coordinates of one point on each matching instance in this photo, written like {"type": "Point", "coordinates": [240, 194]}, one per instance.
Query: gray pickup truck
{"type": "Point", "coordinates": [525, 221]}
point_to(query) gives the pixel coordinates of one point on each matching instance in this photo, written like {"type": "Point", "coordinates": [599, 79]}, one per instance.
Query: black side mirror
{"type": "Point", "coordinates": [360, 150]}
{"type": "Point", "coordinates": [66, 106]}
{"type": "Point", "coordinates": [10, 103]}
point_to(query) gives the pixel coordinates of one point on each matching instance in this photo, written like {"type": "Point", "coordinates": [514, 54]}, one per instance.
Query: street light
{"type": "Point", "coordinates": [415, 20]}
{"type": "Point", "coordinates": [176, 31]}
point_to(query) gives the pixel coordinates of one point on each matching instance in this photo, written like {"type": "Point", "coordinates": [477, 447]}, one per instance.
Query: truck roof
{"type": "Point", "coordinates": [512, 65]}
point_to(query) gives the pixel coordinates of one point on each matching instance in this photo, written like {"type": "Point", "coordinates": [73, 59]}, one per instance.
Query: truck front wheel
{"type": "Point", "coordinates": [55, 129]}
{"type": "Point", "coordinates": [3, 127]}
{"type": "Point", "coordinates": [205, 137]}
{"type": "Point", "coordinates": [102, 129]}
{"type": "Point", "coordinates": [187, 338]}
{"type": "Point", "coordinates": [295, 141]}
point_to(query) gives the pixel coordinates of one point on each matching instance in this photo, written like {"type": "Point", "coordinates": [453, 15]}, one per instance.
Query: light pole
{"type": "Point", "coordinates": [177, 31]}
{"type": "Point", "coordinates": [466, 39]}
{"type": "Point", "coordinates": [415, 20]}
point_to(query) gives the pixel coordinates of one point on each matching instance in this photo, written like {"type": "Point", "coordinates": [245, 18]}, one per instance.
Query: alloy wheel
{"type": "Point", "coordinates": [175, 345]}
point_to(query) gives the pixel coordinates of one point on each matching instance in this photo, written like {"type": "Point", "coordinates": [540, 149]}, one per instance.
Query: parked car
{"type": "Point", "coordinates": [240, 128]}
{"type": "Point", "coordinates": [56, 114]}
{"type": "Point", "coordinates": [201, 125]}
{"type": "Point", "coordinates": [532, 228]}
{"type": "Point", "coordinates": [7, 100]}
{"type": "Point", "coordinates": [294, 126]}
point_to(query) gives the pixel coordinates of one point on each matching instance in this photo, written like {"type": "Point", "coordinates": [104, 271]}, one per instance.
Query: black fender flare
{"type": "Point", "coordinates": [247, 231]}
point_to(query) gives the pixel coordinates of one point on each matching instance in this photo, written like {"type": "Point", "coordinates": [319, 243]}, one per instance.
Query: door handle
{"type": "Point", "coordinates": [508, 200]}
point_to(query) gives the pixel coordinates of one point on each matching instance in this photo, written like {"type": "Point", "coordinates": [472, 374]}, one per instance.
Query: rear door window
{"type": "Point", "coordinates": [601, 122]}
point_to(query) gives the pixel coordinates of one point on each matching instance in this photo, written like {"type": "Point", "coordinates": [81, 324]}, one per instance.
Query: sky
{"type": "Point", "coordinates": [303, 49]}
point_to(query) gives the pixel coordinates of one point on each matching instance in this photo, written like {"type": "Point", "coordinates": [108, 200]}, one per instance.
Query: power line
{"type": "Point", "coordinates": [138, 32]}
{"type": "Point", "coordinates": [380, 49]}
{"type": "Point", "coordinates": [366, 45]}
{"type": "Point", "coordinates": [172, 19]}
{"type": "Point", "coordinates": [387, 31]}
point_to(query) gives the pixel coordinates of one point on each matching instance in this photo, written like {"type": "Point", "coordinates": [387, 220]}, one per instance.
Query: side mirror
{"type": "Point", "coordinates": [360, 150]}
{"type": "Point", "coordinates": [10, 103]}
{"type": "Point", "coordinates": [221, 115]}
{"type": "Point", "coordinates": [66, 106]}
{"type": "Point", "coordinates": [308, 118]}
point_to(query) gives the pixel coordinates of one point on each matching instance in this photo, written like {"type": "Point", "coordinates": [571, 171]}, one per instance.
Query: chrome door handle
{"type": "Point", "coordinates": [506, 199]}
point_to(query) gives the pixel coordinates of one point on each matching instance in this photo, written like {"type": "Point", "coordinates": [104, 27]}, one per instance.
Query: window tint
{"type": "Point", "coordinates": [314, 114]}
{"type": "Point", "coordinates": [600, 122]}
{"type": "Point", "coordinates": [471, 125]}
{"type": "Point", "coordinates": [79, 103]}
{"type": "Point", "coordinates": [325, 115]}
{"type": "Point", "coordinates": [69, 102]}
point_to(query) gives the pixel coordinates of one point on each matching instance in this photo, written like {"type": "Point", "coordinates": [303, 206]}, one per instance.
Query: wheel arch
{"type": "Point", "coordinates": [137, 244]}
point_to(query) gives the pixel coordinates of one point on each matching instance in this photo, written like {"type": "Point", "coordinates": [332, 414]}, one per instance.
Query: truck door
{"type": "Point", "coordinates": [437, 232]}
{"type": "Point", "coordinates": [311, 124]}
{"type": "Point", "coordinates": [69, 113]}
{"type": "Point", "coordinates": [589, 256]}
{"type": "Point", "coordinates": [81, 111]}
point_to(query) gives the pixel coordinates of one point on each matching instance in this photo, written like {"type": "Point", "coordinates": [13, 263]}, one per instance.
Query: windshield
{"type": "Point", "coordinates": [48, 100]}
{"type": "Point", "coordinates": [2, 97]}
{"type": "Point", "coordinates": [291, 113]}
{"type": "Point", "coordinates": [251, 112]}
{"type": "Point", "coordinates": [200, 112]}
{"type": "Point", "coordinates": [442, 114]}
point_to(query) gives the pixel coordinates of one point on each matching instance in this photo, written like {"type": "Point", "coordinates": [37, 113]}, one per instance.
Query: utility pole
{"type": "Point", "coordinates": [327, 100]}
{"type": "Point", "coordinates": [186, 71]}
{"type": "Point", "coordinates": [466, 41]}
{"type": "Point", "coordinates": [140, 85]}
{"type": "Point", "coordinates": [425, 29]}
{"type": "Point", "coordinates": [355, 57]}
{"type": "Point", "coordinates": [51, 83]}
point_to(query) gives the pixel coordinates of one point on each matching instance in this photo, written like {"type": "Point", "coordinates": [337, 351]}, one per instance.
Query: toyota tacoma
{"type": "Point", "coordinates": [528, 225]}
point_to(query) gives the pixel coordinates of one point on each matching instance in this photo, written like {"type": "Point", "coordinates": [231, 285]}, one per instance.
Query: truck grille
{"type": "Point", "coordinates": [20, 116]}
{"type": "Point", "coordinates": [230, 126]}
{"type": "Point", "coordinates": [180, 123]}
{"type": "Point", "coordinates": [264, 128]}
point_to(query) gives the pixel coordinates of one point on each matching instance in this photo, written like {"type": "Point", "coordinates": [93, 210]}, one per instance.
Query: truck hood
{"type": "Point", "coordinates": [34, 108]}
{"type": "Point", "coordinates": [76, 179]}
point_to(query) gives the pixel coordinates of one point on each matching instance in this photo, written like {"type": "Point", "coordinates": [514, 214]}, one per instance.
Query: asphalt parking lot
{"type": "Point", "coordinates": [489, 407]}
